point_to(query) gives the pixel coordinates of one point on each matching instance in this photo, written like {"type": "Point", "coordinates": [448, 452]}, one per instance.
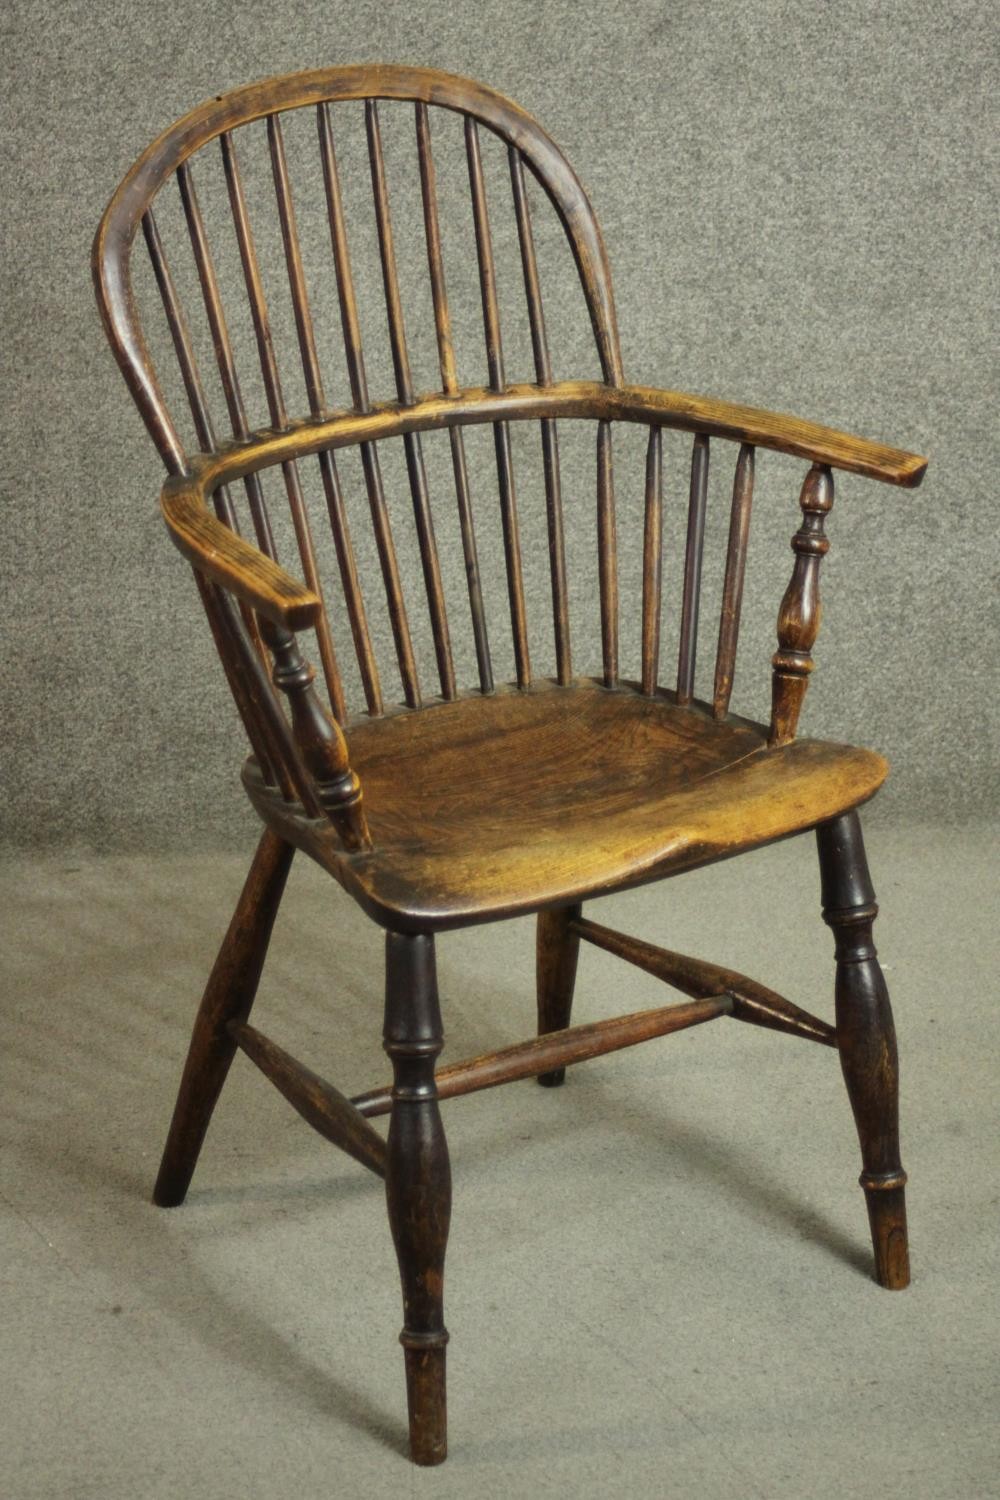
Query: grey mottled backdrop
{"type": "Point", "coordinates": [797, 201]}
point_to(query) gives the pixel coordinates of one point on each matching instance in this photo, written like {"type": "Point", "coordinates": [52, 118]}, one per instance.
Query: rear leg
{"type": "Point", "coordinates": [557, 950]}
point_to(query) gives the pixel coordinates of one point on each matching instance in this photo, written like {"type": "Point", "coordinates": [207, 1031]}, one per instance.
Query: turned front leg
{"type": "Point", "coordinates": [418, 1184]}
{"type": "Point", "coordinates": [557, 949]}
{"type": "Point", "coordinates": [866, 1040]}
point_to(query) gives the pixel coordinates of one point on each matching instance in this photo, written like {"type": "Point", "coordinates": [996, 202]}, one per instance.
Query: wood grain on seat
{"type": "Point", "coordinates": [489, 806]}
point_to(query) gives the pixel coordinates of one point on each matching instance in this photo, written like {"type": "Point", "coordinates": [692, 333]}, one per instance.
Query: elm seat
{"type": "Point", "coordinates": [623, 789]}
{"type": "Point", "coordinates": [469, 801]}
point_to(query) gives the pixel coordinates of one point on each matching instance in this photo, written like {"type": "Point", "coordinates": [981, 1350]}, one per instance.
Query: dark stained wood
{"type": "Point", "coordinates": [652, 562]}
{"type": "Point", "coordinates": [688, 648]}
{"type": "Point", "coordinates": [607, 555]}
{"type": "Point", "coordinates": [798, 617]}
{"type": "Point", "coordinates": [557, 947]}
{"type": "Point", "coordinates": [751, 1001]}
{"type": "Point", "coordinates": [551, 1054]}
{"type": "Point", "coordinates": [866, 1039]}
{"type": "Point", "coordinates": [228, 997]}
{"type": "Point", "coordinates": [732, 588]}
{"type": "Point", "coordinates": [511, 799]}
{"type": "Point", "coordinates": [321, 1105]}
{"type": "Point", "coordinates": [418, 1184]}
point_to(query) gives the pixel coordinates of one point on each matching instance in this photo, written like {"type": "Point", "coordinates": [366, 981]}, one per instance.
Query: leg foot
{"type": "Point", "coordinates": [418, 1185]}
{"type": "Point", "coordinates": [557, 949]}
{"type": "Point", "coordinates": [866, 1041]}
{"type": "Point", "coordinates": [228, 996]}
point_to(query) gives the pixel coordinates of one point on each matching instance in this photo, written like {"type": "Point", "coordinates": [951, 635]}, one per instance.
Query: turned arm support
{"type": "Point", "coordinates": [282, 606]}
{"type": "Point", "coordinates": [800, 611]}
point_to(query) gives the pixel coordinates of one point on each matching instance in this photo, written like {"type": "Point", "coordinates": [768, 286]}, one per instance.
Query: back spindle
{"type": "Point", "coordinates": [501, 431]}
{"type": "Point", "coordinates": [652, 562]}
{"type": "Point", "coordinates": [732, 589]}
{"type": "Point", "coordinates": [404, 389]}
{"type": "Point", "coordinates": [223, 349]}
{"type": "Point", "coordinates": [449, 383]}
{"type": "Point", "coordinates": [329, 475]}
{"type": "Point", "coordinates": [278, 413]}
{"type": "Point", "coordinates": [369, 456]}
{"type": "Point", "coordinates": [607, 549]}
{"type": "Point", "coordinates": [550, 445]}
{"type": "Point", "coordinates": [799, 615]}
{"type": "Point", "coordinates": [688, 648]}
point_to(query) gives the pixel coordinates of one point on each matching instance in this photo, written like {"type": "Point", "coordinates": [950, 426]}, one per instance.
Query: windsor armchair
{"type": "Point", "coordinates": [456, 806]}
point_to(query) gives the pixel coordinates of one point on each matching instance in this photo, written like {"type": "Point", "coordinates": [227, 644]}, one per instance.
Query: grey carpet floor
{"type": "Point", "coordinates": [658, 1276]}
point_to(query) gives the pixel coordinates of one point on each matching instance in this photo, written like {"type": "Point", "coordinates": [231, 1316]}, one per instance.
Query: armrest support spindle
{"type": "Point", "coordinates": [799, 615]}
{"type": "Point", "coordinates": [319, 739]}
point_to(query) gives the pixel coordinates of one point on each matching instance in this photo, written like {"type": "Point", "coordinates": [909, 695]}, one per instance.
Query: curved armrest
{"type": "Point", "coordinates": [567, 398]}
{"type": "Point", "coordinates": [769, 429]}
{"type": "Point", "coordinates": [232, 562]}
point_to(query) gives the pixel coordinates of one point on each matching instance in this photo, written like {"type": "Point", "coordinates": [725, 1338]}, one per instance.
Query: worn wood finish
{"type": "Point", "coordinates": [866, 1038]}
{"type": "Point", "coordinates": [557, 948]}
{"type": "Point", "coordinates": [549, 1055]}
{"type": "Point", "coordinates": [509, 799]}
{"type": "Point", "coordinates": [751, 1001]}
{"type": "Point", "coordinates": [321, 1105]}
{"type": "Point", "coordinates": [418, 1184]}
{"type": "Point", "coordinates": [228, 997]}
{"type": "Point", "coordinates": [571, 398]}
{"type": "Point", "coordinates": [623, 789]}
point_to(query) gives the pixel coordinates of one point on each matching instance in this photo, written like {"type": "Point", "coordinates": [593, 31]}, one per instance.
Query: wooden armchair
{"type": "Point", "coordinates": [465, 806]}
